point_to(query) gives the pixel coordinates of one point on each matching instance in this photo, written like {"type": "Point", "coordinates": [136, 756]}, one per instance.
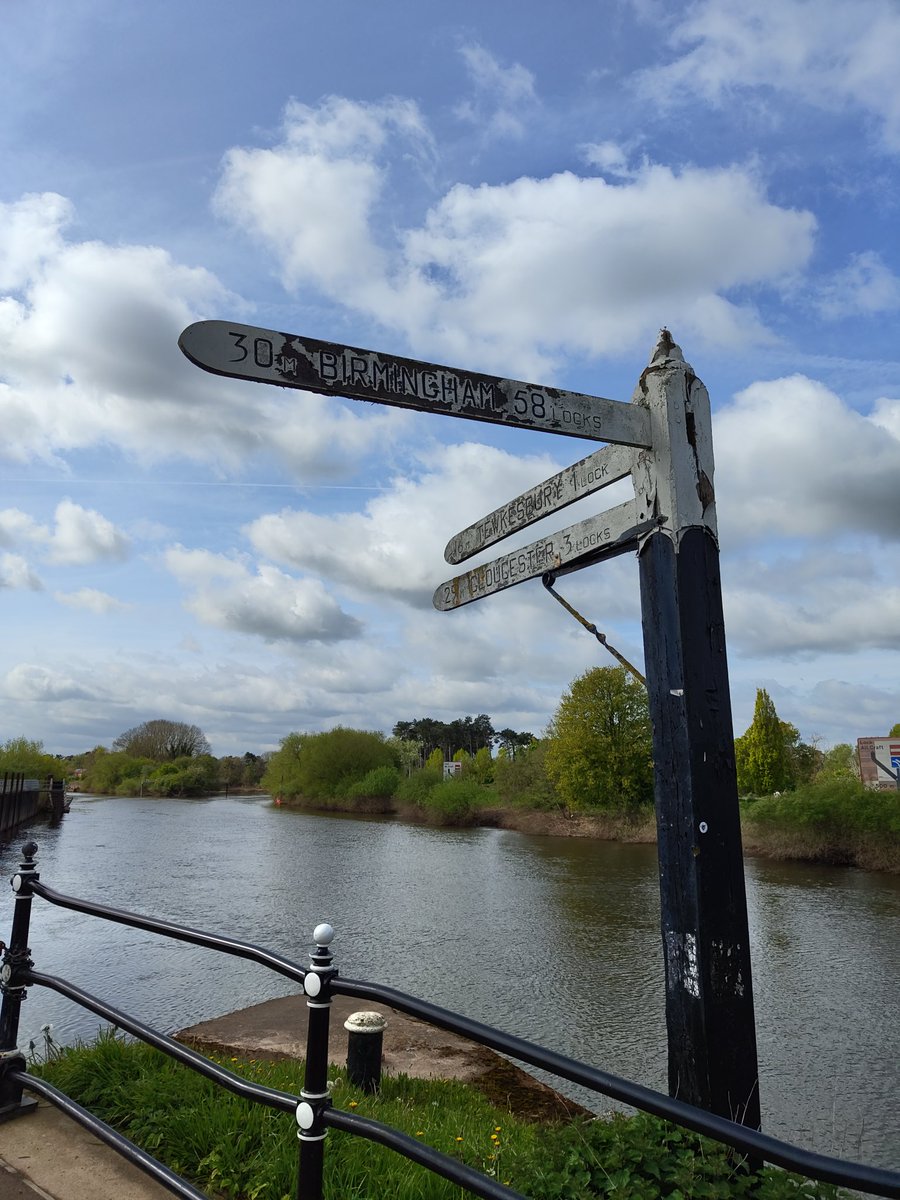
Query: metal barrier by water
{"type": "Point", "coordinates": [313, 1109]}
{"type": "Point", "coordinates": [19, 801]}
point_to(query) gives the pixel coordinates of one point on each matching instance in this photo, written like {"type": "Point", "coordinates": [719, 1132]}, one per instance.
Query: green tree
{"type": "Point", "coordinates": [319, 766]}
{"type": "Point", "coordinates": [840, 762]}
{"type": "Point", "coordinates": [523, 780]}
{"type": "Point", "coordinates": [895, 730]}
{"type": "Point", "coordinates": [763, 754]}
{"type": "Point", "coordinates": [599, 753]}
{"type": "Point", "coordinates": [163, 741]}
{"type": "Point", "coordinates": [21, 756]}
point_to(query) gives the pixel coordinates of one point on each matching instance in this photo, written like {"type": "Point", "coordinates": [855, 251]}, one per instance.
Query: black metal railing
{"type": "Point", "coordinates": [313, 1109]}
{"type": "Point", "coordinates": [19, 800]}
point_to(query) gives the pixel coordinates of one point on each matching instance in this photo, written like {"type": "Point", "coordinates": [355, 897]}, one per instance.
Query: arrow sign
{"type": "Point", "coordinates": [598, 470]}
{"type": "Point", "coordinates": [290, 360]}
{"type": "Point", "coordinates": [616, 531]}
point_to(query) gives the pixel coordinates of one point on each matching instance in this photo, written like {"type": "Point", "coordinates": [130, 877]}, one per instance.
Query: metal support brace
{"type": "Point", "coordinates": [548, 581]}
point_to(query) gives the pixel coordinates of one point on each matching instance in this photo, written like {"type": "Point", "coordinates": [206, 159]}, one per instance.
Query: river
{"type": "Point", "coordinates": [553, 939]}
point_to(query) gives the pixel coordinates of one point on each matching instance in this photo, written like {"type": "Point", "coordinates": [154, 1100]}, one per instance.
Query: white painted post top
{"type": "Point", "coordinates": [365, 1022]}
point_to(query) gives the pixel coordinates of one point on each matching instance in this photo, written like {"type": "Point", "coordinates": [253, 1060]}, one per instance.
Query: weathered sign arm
{"type": "Point", "coordinates": [585, 477]}
{"type": "Point", "coordinates": [291, 360]}
{"type": "Point", "coordinates": [604, 536]}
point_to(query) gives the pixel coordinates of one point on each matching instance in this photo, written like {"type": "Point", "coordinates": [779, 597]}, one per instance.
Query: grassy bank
{"type": "Point", "coordinates": [839, 823]}
{"type": "Point", "coordinates": [239, 1151]}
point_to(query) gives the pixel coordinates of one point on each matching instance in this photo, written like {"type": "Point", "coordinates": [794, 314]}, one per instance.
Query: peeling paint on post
{"type": "Point", "coordinates": [709, 994]}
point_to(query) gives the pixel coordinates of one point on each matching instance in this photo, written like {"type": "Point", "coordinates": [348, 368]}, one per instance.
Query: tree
{"type": "Point", "coordinates": [840, 762]}
{"type": "Point", "coordinates": [162, 741]}
{"type": "Point", "coordinates": [24, 757]}
{"type": "Point", "coordinates": [465, 733]}
{"type": "Point", "coordinates": [318, 766]}
{"type": "Point", "coordinates": [895, 731]}
{"type": "Point", "coordinates": [763, 753]}
{"type": "Point", "coordinates": [513, 743]}
{"type": "Point", "coordinates": [599, 753]}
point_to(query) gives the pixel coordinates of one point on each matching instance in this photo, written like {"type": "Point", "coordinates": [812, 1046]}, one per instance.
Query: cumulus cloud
{"type": "Point", "coordinates": [267, 604]}
{"type": "Point", "coordinates": [78, 536]}
{"type": "Point", "coordinates": [394, 547]}
{"type": "Point", "coordinates": [801, 609]}
{"type": "Point", "coordinates": [794, 459]}
{"type": "Point", "coordinates": [519, 272]}
{"type": "Point", "coordinates": [15, 573]}
{"type": "Point", "coordinates": [89, 356]}
{"type": "Point", "coordinates": [82, 535]}
{"type": "Point", "coordinates": [828, 54]}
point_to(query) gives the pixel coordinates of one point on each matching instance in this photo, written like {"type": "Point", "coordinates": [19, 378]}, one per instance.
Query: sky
{"type": "Point", "coordinates": [530, 190]}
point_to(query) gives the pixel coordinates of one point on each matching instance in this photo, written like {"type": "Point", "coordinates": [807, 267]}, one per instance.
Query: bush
{"type": "Point", "coordinates": [381, 782]}
{"type": "Point", "coordinates": [454, 801]}
{"type": "Point", "coordinates": [417, 787]}
{"type": "Point", "coordinates": [523, 781]}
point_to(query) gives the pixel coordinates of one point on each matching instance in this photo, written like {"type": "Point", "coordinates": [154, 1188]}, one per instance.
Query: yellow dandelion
{"type": "Point", "coordinates": [420, 1133]}
{"type": "Point", "coordinates": [353, 1104]}
{"type": "Point", "coordinates": [459, 1139]}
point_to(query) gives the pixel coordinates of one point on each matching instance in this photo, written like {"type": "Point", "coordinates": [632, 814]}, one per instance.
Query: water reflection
{"type": "Point", "coordinates": [554, 939]}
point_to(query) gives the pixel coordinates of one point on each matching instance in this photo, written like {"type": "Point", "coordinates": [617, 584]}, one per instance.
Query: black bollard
{"type": "Point", "coordinates": [364, 1045]}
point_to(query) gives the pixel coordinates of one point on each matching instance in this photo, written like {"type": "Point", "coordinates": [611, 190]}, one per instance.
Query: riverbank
{"type": "Point", "coordinates": [763, 836]}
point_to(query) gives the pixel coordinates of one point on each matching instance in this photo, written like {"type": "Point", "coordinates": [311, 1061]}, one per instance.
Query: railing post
{"type": "Point", "coordinates": [16, 959]}
{"type": "Point", "coordinates": [314, 1097]}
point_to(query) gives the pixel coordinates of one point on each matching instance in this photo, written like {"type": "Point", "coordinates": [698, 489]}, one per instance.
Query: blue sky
{"type": "Point", "coordinates": [529, 190]}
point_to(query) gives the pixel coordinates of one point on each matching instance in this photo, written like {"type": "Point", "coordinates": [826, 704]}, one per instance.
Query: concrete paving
{"type": "Point", "coordinates": [46, 1154]}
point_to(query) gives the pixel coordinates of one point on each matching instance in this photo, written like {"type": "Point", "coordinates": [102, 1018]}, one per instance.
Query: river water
{"type": "Point", "coordinates": [554, 939]}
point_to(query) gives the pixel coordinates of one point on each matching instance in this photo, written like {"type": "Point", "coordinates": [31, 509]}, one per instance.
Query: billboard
{"type": "Point", "coordinates": [879, 762]}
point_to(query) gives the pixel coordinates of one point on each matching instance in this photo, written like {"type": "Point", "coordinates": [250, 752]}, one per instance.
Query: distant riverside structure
{"type": "Point", "coordinates": [879, 762]}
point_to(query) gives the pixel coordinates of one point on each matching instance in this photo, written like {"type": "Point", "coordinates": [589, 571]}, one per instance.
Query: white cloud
{"type": "Point", "coordinates": [505, 96]}
{"type": "Point", "coordinates": [828, 53]}
{"type": "Point", "coordinates": [17, 526]}
{"type": "Point", "coordinates": [89, 356]}
{"type": "Point", "coordinates": [79, 535]}
{"type": "Point", "coordinates": [28, 681]}
{"type": "Point", "coordinates": [15, 573]}
{"type": "Point", "coordinates": [82, 536]}
{"type": "Point", "coordinates": [793, 459]}
{"type": "Point", "coordinates": [866, 286]}
{"type": "Point", "coordinates": [513, 273]}
{"type": "Point", "coordinates": [269, 604]}
{"type": "Point", "coordinates": [394, 547]}
{"type": "Point", "coordinates": [91, 599]}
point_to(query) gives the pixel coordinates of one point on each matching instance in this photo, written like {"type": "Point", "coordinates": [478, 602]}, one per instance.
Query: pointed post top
{"type": "Point", "coordinates": [666, 348]}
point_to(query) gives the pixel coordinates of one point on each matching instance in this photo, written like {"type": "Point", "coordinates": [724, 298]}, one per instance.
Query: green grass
{"type": "Point", "coordinates": [241, 1151]}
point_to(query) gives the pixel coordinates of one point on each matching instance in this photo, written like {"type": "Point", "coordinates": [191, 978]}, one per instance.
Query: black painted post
{"type": "Point", "coordinates": [16, 958]}
{"type": "Point", "coordinates": [314, 1096]}
{"type": "Point", "coordinates": [709, 993]}
{"type": "Point", "coordinates": [365, 1043]}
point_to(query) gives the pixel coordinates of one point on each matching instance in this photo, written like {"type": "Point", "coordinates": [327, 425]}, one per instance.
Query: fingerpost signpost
{"type": "Point", "coordinates": [662, 441]}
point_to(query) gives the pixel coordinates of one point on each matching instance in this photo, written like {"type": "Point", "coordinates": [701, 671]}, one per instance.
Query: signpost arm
{"type": "Point", "coordinates": [709, 994]}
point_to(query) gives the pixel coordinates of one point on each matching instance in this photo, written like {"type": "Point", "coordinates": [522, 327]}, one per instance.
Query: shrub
{"type": "Point", "coordinates": [416, 788]}
{"type": "Point", "coordinates": [380, 782]}
{"type": "Point", "coordinates": [454, 801]}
